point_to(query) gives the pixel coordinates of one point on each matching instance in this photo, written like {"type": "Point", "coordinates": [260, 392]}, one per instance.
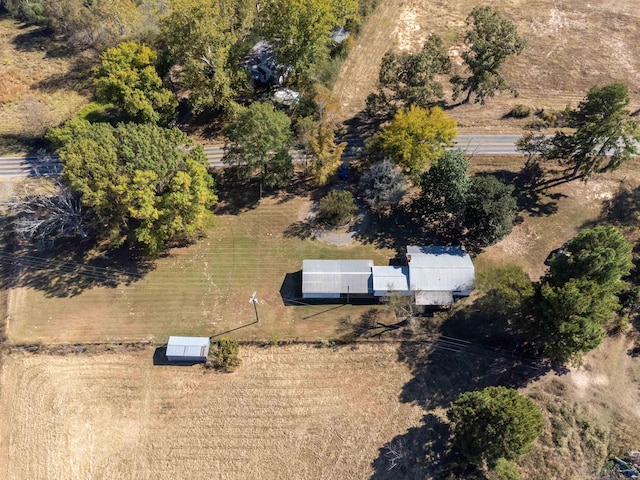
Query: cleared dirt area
{"type": "Point", "coordinates": [572, 45]}
{"type": "Point", "coordinates": [288, 412]}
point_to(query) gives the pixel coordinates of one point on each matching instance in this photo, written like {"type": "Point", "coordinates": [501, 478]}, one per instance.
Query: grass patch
{"type": "Point", "coordinates": [200, 290]}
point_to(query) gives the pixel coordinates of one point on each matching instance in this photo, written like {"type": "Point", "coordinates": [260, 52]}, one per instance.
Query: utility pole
{"type": "Point", "coordinates": [254, 300]}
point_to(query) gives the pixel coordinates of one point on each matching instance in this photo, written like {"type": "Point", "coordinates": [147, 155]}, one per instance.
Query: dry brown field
{"type": "Point", "coordinates": [41, 84]}
{"type": "Point", "coordinates": [290, 412]}
{"type": "Point", "coordinates": [572, 45]}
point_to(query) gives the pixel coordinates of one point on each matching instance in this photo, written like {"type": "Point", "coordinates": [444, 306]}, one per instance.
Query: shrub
{"type": "Point", "coordinates": [493, 424]}
{"type": "Point", "coordinates": [504, 470]}
{"type": "Point", "coordinates": [520, 111]}
{"type": "Point", "coordinates": [337, 208]}
{"type": "Point", "coordinates": [227, 354]}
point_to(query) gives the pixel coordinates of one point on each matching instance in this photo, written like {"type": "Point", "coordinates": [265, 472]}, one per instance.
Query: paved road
{"type": "Point", "coordinates": [472, 144]}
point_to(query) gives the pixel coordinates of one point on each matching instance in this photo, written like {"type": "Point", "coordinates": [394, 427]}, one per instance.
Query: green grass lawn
{"type": "Point", "coordinates": [203, 289]}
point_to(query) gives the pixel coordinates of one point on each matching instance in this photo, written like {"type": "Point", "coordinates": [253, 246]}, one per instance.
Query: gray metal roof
{"type": "Point", "coordinates": [188, 347]}
{"type": "Point", "coordinates": [337, 276]}
{"type": "Point", "coordinates": [435, 268]}
{"type": "Point", "coordinates": [391, 279]}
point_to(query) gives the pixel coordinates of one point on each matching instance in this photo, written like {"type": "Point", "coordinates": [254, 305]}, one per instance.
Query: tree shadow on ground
{"type": "Point", "coordinates": [418, 453]}
{"type": "Point", "coordinates": [394, 229]}
{"type": "Point", "coordinates": [622, 210]}
{"type": "Point", "coordinates": [29, 144]}
{"type": "Point", "coordinates": [474, 348]}
{"type": "Point", "coordinates": [531, 199]}
{"type": "Point", "coordinates": [235, 193]}
{"type": "Point", "coordinates": [291, 289]}
{"type": "Point", "coordinates": [78, 78]}
{"type": "Point", "coordinates": [41, 39]}
{"type": "Point", "coordinates": [71, 267]}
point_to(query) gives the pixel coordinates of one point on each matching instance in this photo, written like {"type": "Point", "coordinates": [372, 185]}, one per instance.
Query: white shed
{"type": "Point", "coordinates": [188, 349]}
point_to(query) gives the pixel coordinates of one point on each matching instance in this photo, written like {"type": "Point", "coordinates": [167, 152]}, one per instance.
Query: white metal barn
{"type": "Point", "coordinates": [188, 349]}
{"type": "Point", "coordinates": [439, 274]}
{"type": "Point", "coordinates": [333, 278]}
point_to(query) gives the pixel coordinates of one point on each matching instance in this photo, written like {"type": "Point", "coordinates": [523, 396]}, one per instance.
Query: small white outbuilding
{"type": "Point", "coordinates": [188, 349]}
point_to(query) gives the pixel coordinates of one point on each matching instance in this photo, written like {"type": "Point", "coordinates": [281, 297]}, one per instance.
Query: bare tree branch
{"type": "Point", "coordinates": [51, 213]}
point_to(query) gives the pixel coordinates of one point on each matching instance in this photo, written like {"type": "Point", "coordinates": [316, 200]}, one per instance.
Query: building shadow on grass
{"type": "Point", "coordinates": [68, 270]}
{"type": "Point", "coordinates": [291, 289]}
{"type": "Point", "coordinates": [160, 359]}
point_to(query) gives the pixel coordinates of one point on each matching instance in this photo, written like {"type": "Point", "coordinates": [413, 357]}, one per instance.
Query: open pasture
{"type": "Point", "coordinates": [288, 412]}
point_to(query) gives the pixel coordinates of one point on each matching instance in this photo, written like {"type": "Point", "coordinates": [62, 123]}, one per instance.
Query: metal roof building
{"type": "Point", "coordinates": [188, 349]}
{"type": "Point", "coordinates": [389, 280]}
{"type": "Point", "coordinates": [438, 274]}
{"type": "Point", "coordinates": [333, 278]}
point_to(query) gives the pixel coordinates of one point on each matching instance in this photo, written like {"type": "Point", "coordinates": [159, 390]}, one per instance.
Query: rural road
{"type": "Point", "coordinates": [472, 144]}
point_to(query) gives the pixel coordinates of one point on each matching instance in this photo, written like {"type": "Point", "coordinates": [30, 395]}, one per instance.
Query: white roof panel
{"type": "Point", "coordinates": [336, 276]}
{"type": "Point", "coordinates": [437, 256]}
{"type": "Point", "coordinates": [391, 279]}
{"type": "Point", "coordinates": [187, 347]}
{"type": "Point", "coordinates": [436, 268]}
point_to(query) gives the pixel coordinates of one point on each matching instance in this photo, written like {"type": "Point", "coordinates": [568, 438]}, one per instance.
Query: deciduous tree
{"type": "Point", "coordinates": [414, 139]}
{"type": "Point", "coordinates": [49, 212]}
{"type": "Point", "coordinates": [445, 185]}
{"type": "Point", "coordinates": [490, 40]}
{"type": "Point", "coordinates": [207, 39]}
{"type": "Point", "coordinates": [383, 184]}
{"type": "Point", "coordinates": [145, 185]}
{"type": "Point", "coordinates": [260, 138]}
{"type": "Point", "coordinates": [494, 423]}
{"type": "Point", "coordinates": [300, 30]}
{"type": "Point", "coordinates": [407, 79]}
{"type": "Point", "coordinates": [94, 24]}
{"type": "Point", "coordinates": [127, 78]}
{"type": "Point", "coordinates": [337, 208]}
